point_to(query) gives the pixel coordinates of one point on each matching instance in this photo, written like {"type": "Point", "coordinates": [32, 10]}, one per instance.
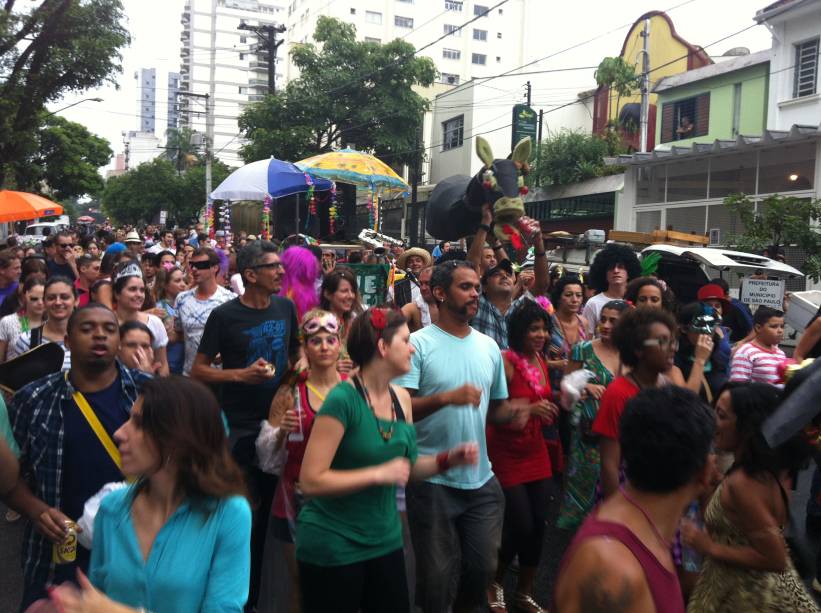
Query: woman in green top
{"type": "Point", "coordinates": [362, 446]}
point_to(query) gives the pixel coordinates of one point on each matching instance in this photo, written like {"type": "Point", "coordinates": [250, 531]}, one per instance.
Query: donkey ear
{"type": "Point", "coordinates": [484, 151]}
{"type": "Point", "coordinates": [521, 153]}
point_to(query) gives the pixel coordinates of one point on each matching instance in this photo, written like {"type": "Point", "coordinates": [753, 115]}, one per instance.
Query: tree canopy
{"type": "Point", "coordinates": [142, 192]}
{"type": "Point", "coordinates": [349, 93]}
{"type": "Point", "coordinates": [776, 222]}
{"type": "Point", "coordinates": [66, 158]}
{"type": "Point", "coordinates": [48, 49]}
{"type": "Point", "coordinates": [570, 157]}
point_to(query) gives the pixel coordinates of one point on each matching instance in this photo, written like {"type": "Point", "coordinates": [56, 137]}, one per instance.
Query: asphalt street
{"type": "Point", "coordinates": [555, 543]}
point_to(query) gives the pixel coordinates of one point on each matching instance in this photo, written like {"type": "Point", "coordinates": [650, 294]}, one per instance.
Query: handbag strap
{"type": "Point", "coordinates": [707, 391]}
{"type": "Point", "coordinates": [97, 427]}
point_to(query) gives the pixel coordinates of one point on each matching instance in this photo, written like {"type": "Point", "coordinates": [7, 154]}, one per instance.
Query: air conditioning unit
{"type": "Point", "coordinates": [715, 236]}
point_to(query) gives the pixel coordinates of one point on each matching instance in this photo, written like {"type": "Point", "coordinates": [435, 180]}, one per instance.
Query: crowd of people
{"type": "Point", "coordinates": [212, 396]}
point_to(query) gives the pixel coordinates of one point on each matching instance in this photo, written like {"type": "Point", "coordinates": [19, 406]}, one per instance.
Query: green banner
{"type": "Point", "coordinates": [372, 280]}
{"type": "Point", "coordinates": [525, 123]}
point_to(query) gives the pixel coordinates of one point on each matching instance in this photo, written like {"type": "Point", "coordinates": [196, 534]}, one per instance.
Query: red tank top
{"type": "Point", "coordinates": [664, 586]}
{"type": "Point", "coordinates": [520, 456]}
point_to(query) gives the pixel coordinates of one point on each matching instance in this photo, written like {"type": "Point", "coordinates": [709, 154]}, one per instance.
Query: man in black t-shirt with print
{"type": "Point", "coordinates": [251, 334]}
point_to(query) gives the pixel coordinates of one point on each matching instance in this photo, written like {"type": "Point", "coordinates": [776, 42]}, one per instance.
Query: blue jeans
{"type": "Point", "coordinates": [456, 537]}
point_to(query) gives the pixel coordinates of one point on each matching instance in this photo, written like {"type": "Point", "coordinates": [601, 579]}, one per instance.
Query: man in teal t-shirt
{"type": "Point", "coordinates": [457, 381]}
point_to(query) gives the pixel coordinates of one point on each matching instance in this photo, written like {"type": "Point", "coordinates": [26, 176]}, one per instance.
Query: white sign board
{"type": "Point", "coordinates": [163, 217]}
{"type": "Point", "coordinates": [763, 292]}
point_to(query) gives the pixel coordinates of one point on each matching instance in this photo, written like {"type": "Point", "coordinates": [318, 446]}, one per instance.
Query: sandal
{"type": "Point", "coordinates": [526, 604]}
{"type": "Point", "coordinates": [497, 605]}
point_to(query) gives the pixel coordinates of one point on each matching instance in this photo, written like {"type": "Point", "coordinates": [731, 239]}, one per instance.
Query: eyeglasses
{"type": "Point", "coordinates": [271, 265]}
{"type": "Point", "coordinates": [328, 322]}
{"type": "Point", "coordinates": [66, 245]}
{"type": "Point", "coordinates": [662, 343]}
{"type": "Point", "coordinates": [202, 265]}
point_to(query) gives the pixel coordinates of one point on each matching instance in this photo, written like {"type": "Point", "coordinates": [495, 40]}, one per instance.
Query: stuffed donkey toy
{"type": "Point", "coordinates": [454, 208]}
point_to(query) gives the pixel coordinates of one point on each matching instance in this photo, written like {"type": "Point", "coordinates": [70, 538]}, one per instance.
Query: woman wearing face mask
{"type": "Point", "coordinates": [519, 454]}
{"type": "Point", "coordinates": [129, 296]}
{"type": "Point", "coordinates": [290, 426]}
{"type": "Point", "coordinates": [601, 357]}
{"type": "Point", "coordinates": [31, 315]}
{"type": "Point", "coordinates": [60, 300]}
{"type": "Point", "coordinates": [647, 340]}
{"type": "Point", "coordinates": [747, 563]}
{"type": "Point", "coordinates": [176, 540]}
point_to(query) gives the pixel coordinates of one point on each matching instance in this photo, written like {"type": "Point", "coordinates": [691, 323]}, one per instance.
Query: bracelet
{"type": "Point", "coordinates": [442, 462]}
{"type": "Point", "coordinates": [485, 227]}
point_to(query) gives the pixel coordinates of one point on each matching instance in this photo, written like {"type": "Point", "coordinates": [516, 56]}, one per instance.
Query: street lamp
{"type": "Point", "coordinates": [73, 104]}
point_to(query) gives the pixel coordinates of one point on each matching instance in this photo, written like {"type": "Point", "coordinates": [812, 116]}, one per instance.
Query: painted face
{"type": "Point", "coordinates": [727, 438]}
{"type": "Point", "coordinates": [649, 296]}
{"type": "Point", "coordinates": [322, 348]}
{"type": "Point", "coordinates": [139, 454]}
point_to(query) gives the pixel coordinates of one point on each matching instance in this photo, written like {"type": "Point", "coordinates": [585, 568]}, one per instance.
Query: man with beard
{"type": "Point", "coordinates": [256, 337]}
{"type": "Point", "coordinates": [423, 311]}
{"type": "Point", "coordinates": [68, 458]}
{"type": "Point", "coordinates": [464, 506]}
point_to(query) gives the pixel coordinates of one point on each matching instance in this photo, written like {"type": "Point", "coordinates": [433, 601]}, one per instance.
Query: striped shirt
{"type": "Point", "coordinates": [752, 363]}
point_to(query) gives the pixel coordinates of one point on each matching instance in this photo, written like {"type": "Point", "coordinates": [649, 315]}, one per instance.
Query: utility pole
{"type": "Point", "coordinates": [645, 86]}
{"type": "Point", "coordinates": [209, 104]}
{"type": "Point", "coordinates": [267, 35]}
{"type": "Point", "coordinates": [527, 86]}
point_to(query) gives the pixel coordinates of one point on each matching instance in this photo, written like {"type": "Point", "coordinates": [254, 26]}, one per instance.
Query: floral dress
{"type": "Point", "coordinates": [584, 463]}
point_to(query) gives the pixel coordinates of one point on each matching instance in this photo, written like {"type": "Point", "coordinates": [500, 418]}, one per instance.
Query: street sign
{"type": "Point", "coordinates": [372, 280]}
{"type": "Point", "coordinates": [525, 123]}
{"type": "Point", "coordinates": [763, 292]}
{"type": "Point", "coordinates": [163, 217]}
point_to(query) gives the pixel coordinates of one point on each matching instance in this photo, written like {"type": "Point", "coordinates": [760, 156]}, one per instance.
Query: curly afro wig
{"type": "Point", "coordinates": [606, 259]}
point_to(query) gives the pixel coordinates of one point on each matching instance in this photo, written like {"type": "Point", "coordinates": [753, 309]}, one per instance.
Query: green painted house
{"type": "Point", "coordinates": [715, 102]}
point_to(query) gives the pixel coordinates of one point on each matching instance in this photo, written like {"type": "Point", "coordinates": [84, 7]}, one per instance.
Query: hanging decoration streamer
{"type": "Point", "coordinates": [310, 198]}
{"type": "Point", "coordinates": [332, 212]}
{"type": "Point", "coordinates": [378, 225]}
{"type": "Point", "coordinates": [266, 218]}
{"type": "Point", "coordinates": [210, 219]}
{"type": "Point", "coordinates": [225, 221]}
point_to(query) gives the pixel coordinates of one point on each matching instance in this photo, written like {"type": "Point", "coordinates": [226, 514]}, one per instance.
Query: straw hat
{"type": "Point", "coordinates": [417, 251]}
{"type": "Point", "coordinates": [133, 237]}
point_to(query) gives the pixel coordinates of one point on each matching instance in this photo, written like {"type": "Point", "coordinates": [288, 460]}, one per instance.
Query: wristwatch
{"type": "Point", "coordinates": [485, 227]}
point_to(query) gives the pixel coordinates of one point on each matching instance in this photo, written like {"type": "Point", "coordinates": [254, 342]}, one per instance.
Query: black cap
{"type": "Point", "coordinates": [502, 265]}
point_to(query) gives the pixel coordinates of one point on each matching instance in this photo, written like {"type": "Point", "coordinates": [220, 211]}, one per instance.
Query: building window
{"type": "Point", "coordinates": [806, 68]}
{"type": "Point", "coordinates": [736, 108]}
{"type": "Point", "coordinates": [452, 30]}
{"type": "Point", "coordinates": [498, 59]}
{"type": "Point", "coordinates": [498, 35]}
{"type": "Point", "coordinates": [685, 119]}
{"type": "Point", "coordinates": [453, 5]}
{"type": "Point", "coordinates": [451, 54]}
{"type": "Point", "coordinates": [479, 34]}
{"type": "Point", "coordinates": [403, 22]}
{"type": "Point", "coordinates": [353, 11]}
{"type": "Point", "coordinates": [373, 17]}
{"type": "Point", "coordinates": [480, 10]}
{"type": "Point", "coordinates": [243, 90]}
{"type": "Point", "coordinates": [242, 56]}
{"type": "Point", "coordinates": [243, 39]}
{"type": "Point", "coordinates": [369, 39]}
{"type": "Point", "coordinates": [450, 79]}
{"type": "Point", "coordinates": [453, 131]}
{"type": "Point", "coordinates": [479, 58]}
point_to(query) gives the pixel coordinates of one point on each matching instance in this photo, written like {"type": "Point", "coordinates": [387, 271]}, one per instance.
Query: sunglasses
{"type": "Point", "coordinates": [66, 245]}
{"type": "Point", "coordinates": [202, 265]}
{"type": "Point", "coordinates": [327, 322]}
{"type": "Point", "coordinates": [271, 265]}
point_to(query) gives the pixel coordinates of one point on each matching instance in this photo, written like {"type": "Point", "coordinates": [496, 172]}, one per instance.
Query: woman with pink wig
{"type": "Point", "coordinates": [299, 279]}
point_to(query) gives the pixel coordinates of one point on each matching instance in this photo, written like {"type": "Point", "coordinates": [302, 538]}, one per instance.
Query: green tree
{"type": "Point", "coordinates": [180, 148]}
{"type": "Point", "coordinates": [66, 161]}
{"type": "Point", "coordinates": [141, 193]}
{"type": "Point", "coordinates": [48, 49]}
{"type": "Point", "coordinates": [348, 93]}
{"type": "Point", "coordinates": [570, 157]}
{"type": "Point", "coordinates": [776, 222]}
{"type": "Point", "coordinates": [620, 77]}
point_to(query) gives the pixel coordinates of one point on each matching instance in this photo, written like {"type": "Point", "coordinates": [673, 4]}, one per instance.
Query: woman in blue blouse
{"type": "Point", "coordinates": [177, 541]}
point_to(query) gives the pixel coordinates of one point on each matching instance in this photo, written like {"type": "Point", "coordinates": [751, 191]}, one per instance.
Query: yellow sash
{"type": "Point", "coordinates": [94, 422]}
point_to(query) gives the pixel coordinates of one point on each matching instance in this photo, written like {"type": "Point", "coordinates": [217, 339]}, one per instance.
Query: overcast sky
{"type": "Point", "coordinates": [155, 42]}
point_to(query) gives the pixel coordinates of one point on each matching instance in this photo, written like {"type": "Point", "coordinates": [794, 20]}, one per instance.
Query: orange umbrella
{"type": "Point", "coordinates": [20, 206]}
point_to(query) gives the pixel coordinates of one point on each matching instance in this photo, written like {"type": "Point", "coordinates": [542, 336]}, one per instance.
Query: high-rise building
{"type": "Point", "coordinates": [493, 43]}
{"type": "Point", "coordinates": [172, 117]}
{"type": "Point", "coordinates": [217, 54]}
{"type": "Point", "coordinates": [147, 98]}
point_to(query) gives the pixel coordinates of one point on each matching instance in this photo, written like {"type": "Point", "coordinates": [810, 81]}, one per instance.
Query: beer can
{"type": "Point", "coordinates": [66, 552]}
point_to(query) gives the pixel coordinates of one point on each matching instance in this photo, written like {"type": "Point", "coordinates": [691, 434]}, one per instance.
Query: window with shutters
{"type": "Point", "coordinates": [806, 68]}
{"type": "Point", "coordinates": [453, 131]}
{"type": "Point", "coordinates": [685, 119]}
{"type": "Point", "coordinates": [451, 54]}
{"type": "Point", "coordinates": [453, 5]}
{"type": "Point", "coordinates": [403, 22]}
{"type": "Point", "coordinates": [480, 35]}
